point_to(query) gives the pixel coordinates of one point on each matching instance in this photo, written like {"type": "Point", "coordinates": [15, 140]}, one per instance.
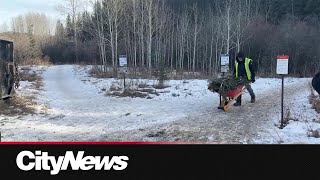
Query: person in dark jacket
{"type": "Point", "coordinates": [244, 68]}
{"type": "Point", "coordinates": [316, 82]}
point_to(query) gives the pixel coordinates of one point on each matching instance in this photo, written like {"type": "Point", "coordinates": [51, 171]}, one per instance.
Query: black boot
{"type": "Point", "coordinates": [253, 99]}
{"type": "Point", "coordinates": [238, 103]}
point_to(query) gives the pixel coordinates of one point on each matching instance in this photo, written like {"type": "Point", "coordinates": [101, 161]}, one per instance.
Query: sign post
{"type": "Point", "coordinates": [123, 62]}
{"type": "Point", "coordinates": [282, 69]}
{"type": "Point", "coordinates": [224, 68]}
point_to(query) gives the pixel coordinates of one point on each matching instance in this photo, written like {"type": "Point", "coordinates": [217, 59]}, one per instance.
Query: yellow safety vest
{"type": "Point", "coordinates": [246, 64]}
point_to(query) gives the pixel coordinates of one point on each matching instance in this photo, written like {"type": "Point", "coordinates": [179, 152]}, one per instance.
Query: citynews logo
{"type": "Point", "coordinates": [42, 161]}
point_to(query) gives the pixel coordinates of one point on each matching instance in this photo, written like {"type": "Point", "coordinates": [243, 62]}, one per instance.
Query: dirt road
{"type": "Point", "coordinates": [77, 110]}
{"type": "Point", "coordinates": [238, 126]}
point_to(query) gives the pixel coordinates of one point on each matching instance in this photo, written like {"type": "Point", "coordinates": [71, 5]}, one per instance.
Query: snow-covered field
{"type": "Point", "coordinates": [74, 107]}
{"type": "Point", "coordinates": [298, 130]}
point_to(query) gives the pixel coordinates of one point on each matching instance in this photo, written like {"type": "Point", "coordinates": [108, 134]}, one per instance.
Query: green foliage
{"type": "Point", "coordinates": [60, 31]}
{"type": "Point", "coordinates": [34, 48]}
{"type": "Point", "coordinates": [84, 25]}
{"type": "Point", "coordinates": [225, 84]}
{"type": "Point", "coordinates": [69, 28]}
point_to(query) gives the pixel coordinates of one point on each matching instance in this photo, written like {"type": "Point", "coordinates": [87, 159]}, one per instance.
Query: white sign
{"type": "Point", "coordinates": [283, 65]}
{"type": "Point", "coordinates": [123, 61]}
{"type": "Point", "coordinates": [225, 60]}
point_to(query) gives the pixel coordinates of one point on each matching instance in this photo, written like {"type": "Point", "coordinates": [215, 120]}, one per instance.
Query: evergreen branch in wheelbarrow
{"type": "Point", "coordinates": [225, 84]}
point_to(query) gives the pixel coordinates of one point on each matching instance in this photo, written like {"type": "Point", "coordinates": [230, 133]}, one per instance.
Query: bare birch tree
{"type": "Point", "coordinates": [18, 24]}
{"type": "Point", "coordinates": [4, 27]}
{"type": "Point", "coordinates": [73, 8]}
{"type": "Point", "coordinates": [98, 22]}
{"type": "Point", "coordinates": [112, 11]}
{"type": "Point", "coordinates": [152, 9]}
{"type": "Point", "coordinates": [197, 25]}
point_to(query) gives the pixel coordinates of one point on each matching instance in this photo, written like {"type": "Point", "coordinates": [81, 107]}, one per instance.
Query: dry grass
{"type": "Point", "coordinates": [98, 73]}
{"type": "Point", "coordinates": [311, 132]}
{"type": "Point", "coordinates": [144, 73]}
{"type": "Point", "coordinates": [287, 117]}
{"type": "Point", "coordinates": [316, 104]}
{"type": "Point", "coordinates": [128, 93]}
{"type": "Point", "coordinates": [160, 86]}
{"type": "Point", "coordinates": [133, 89]}
{"type": "Point", "coordinates": [22, 104]}
{"type": "Point", "coordinates": [38, 61]}
{"type": "Point", "coordinates": [181, 75]}
{"type": "Point", "coordinates": [314, 133]}
{"type": "Point", "coordinates": [27, 75]}
{"type": "Point", "coordinates": [18, 105]}
{"type": "Point", "coordinates": [115, 87]}
{"type": "Point", "coordinates": [315, 101]}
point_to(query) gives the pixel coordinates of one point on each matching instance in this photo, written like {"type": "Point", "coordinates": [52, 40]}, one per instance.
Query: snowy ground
{"type": "Point", "coordinates": [295, 132]}
{"type": "Point", "coordinates": [73, 107]}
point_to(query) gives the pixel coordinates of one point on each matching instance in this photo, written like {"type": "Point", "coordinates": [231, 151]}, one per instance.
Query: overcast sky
{"type": "Point", "coordinates": [12, 8]}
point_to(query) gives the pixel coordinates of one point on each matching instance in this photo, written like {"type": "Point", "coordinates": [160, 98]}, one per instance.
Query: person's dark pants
{"type": "Point", "coordinates": [250, 90]}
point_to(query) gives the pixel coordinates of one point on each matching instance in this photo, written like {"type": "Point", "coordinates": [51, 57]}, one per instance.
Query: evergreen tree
{"type": "Point", "coordinates": [69, 29]}
{"type": "Point", "coordinates": [79, 24]}
{"type": "Point", "coordinates": [86, 26]}
{"type": "Point", "coordinates": [35, 50]}
{"type": "Point", "coordinates": [59, 32]}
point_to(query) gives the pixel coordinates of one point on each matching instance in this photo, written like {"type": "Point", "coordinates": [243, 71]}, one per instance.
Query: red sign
{"type": "Point", "coordinates": [283, 57]}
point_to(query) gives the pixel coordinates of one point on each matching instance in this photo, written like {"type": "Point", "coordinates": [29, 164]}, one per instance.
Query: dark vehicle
{"type": "Point", "coordinates": [8, 70]}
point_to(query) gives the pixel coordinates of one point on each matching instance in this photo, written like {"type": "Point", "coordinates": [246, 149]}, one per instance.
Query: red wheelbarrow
{"type": "Point", "coordinates": [229, 97]}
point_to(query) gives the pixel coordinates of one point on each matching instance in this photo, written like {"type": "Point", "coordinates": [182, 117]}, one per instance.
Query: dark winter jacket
{"type": "Point", "coordinates": [316, 82]}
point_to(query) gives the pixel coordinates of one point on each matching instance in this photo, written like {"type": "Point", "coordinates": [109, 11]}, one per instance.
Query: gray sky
{"type": "Point", "coordinates": [12, 8]}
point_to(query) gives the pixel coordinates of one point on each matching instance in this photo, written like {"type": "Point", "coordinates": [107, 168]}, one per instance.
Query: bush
{"type": "Point", "coordinates": [38, 61]}
{"type": "Point", "coordinates": [98, 73]}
